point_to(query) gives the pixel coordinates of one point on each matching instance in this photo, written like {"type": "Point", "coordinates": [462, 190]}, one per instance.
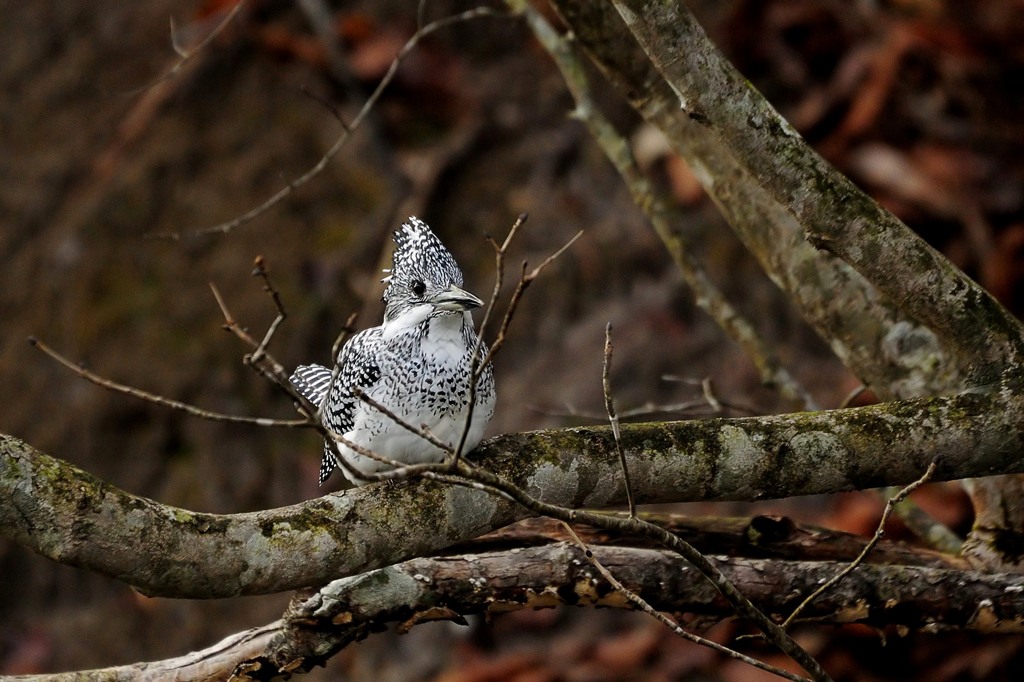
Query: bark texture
{"type": "Point", "coordinates": [895, 311]}
{"type": "Point", "coordinates": [73, 517]}
{"type": "Point", "coordinates": [559, 574]}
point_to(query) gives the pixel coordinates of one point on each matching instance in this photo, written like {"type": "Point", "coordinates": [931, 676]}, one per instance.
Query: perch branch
{"type": "Point", "coordinates": [172, 552]}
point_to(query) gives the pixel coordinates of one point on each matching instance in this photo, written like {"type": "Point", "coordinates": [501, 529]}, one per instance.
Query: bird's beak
{"type": "Point", "coordinates": [455, 299]}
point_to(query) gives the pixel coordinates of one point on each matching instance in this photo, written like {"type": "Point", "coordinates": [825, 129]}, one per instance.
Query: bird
{"type": "Point", "coordinates": [417, 364]}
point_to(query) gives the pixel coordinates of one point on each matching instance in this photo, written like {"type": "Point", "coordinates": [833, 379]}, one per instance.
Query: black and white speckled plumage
{"type": "Point", "coordinates": [416, 364]}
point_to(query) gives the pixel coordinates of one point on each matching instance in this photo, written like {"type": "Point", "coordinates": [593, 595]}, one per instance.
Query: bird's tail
{"type": "Point", "coordinates": [312, 382]}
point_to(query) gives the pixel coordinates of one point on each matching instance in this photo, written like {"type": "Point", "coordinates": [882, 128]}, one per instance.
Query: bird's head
{"type": "Point", "coordinates": [424, 276]}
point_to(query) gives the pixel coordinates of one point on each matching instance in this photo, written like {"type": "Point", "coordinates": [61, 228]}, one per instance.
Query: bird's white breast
{"type": "Point", "coordinates": [425, 382]}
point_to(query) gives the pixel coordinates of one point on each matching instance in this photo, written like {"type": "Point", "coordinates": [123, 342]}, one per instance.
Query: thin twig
{"type": "Point", "coordinates": [260, 270]}
{"type": "Point", "coordinates": [339, 343]}
{"type": "Point", "coordinates": [346, 331]}
{"type": "Point", "coordinates": [613, 419]}
{"type": "Point", "coordinates": [188, 54]}
{"type": "Point", "coordinates": [339, 142]}
{"type": "Point", "coordinates": [476, 367]}
{"type": "Point", "coordinates": [333, 110]}
{"type": "Point", "coordinates": [421, 13]}
{"type": "Point", "coordinates": [852, 395]}
{"type": "Point", "coordinates": [879, 532]}
{"type": "Point", "coordinates": [336, 439]}
{"type": "Point", "coordinates": [929, 530]}
{"type": "Point", "coordinates": [499, 278]}
{"type": "Point", "coordinates": [709, 394]}
{"type": "Point", "coordinates": [686, 408]}
{"type": "Point", "coordinates": [160, 400]}
{"type": "Point", "coordinates": [267, 365]}
{"type": "Point", "coordinates": [525, 279]}
{"type": "Point", "coordinates": [416, 429]}
{"type": "Point", "coordinates": [642, 604]}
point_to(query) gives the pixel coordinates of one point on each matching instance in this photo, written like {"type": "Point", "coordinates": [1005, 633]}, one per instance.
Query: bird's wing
{"type": "Point", "coordinates": [360, 367]}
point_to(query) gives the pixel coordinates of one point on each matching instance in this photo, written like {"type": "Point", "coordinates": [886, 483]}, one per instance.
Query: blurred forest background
{"type": "Point", "coordinates": [919, 101]}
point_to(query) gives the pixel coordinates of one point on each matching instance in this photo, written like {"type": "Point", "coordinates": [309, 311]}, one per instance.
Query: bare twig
{"type": "Point", "coordinates": [333, 110]}
{"type": "Point", "coordinates": [160, 400]}
{"type": "Point", "coordinates": [707, 390]}
{"type": "Point", "coordinates": [709, 394]}
{"type": "Point", "coordinates": [421, 13]}
{"type": "Point", "coordinates": [260, 270]}
{"type": "Point", "coordinates": [613, 419]}
{"type": "Point", "coordinates": [266, 365]}
{"type": "Point", "coordinates": [339, 342]}
{"type": "Point", "coordinates": [412, 428]}
{"type": "Point", "coordinates": [346, 331]}
{"type": "Point", "coordinates": [687, 407]}
{"type": "Point", "coordinates": [500, 252]}
{"type": "Point", "coordinates": [421, 33]}
{"type": "Point", "coordinates": [853, 395]}
{"type": "Point", "coordinates": [187, 55]}
{"type": "Point", "coordinates": [476, 367]}
{"type": "Point", "coordinates": [525, 279]}
{"type": "Point", "coordinates": [642, 604]}
{"type": "Point", "coordinates": [879, 532]}
{"type": "Point", "coordinates": [649, 408]}
{"type": "Point", "coordinates": [929, 530]}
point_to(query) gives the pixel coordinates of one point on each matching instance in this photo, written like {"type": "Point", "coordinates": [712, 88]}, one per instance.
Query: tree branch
{"type": "Point", "coordinates": [450, 588]}
{"type": "Point", "coordinates": [72, 517]}
{"type": "Point", "coordinates": [832, 212]}
{"type": "Point", "coordinates": [757, 537]}
{"type": "Point", "coordinates": [894, 354]}
{"type": "Point", "coordinates": [905, 320]}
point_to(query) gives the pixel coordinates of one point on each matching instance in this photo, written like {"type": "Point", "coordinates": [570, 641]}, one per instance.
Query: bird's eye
{"type": "Point", "coordinates": [418, 288]}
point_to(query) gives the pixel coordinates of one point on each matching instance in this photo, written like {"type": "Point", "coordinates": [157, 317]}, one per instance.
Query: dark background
{"type": "Point", "coordinates": [919, 101]}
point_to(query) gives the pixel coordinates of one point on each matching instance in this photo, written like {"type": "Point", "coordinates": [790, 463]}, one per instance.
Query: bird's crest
{"type": "Point", "coordinates": [419, 255]}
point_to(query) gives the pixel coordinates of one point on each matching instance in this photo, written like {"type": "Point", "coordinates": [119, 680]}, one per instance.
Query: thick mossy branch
{"type": "Point", "coordinates": [887, 348]}
{"type": "Point", "coordinates": [832, 212]}
{"type": "Point", "coordinates": [72, 517]}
